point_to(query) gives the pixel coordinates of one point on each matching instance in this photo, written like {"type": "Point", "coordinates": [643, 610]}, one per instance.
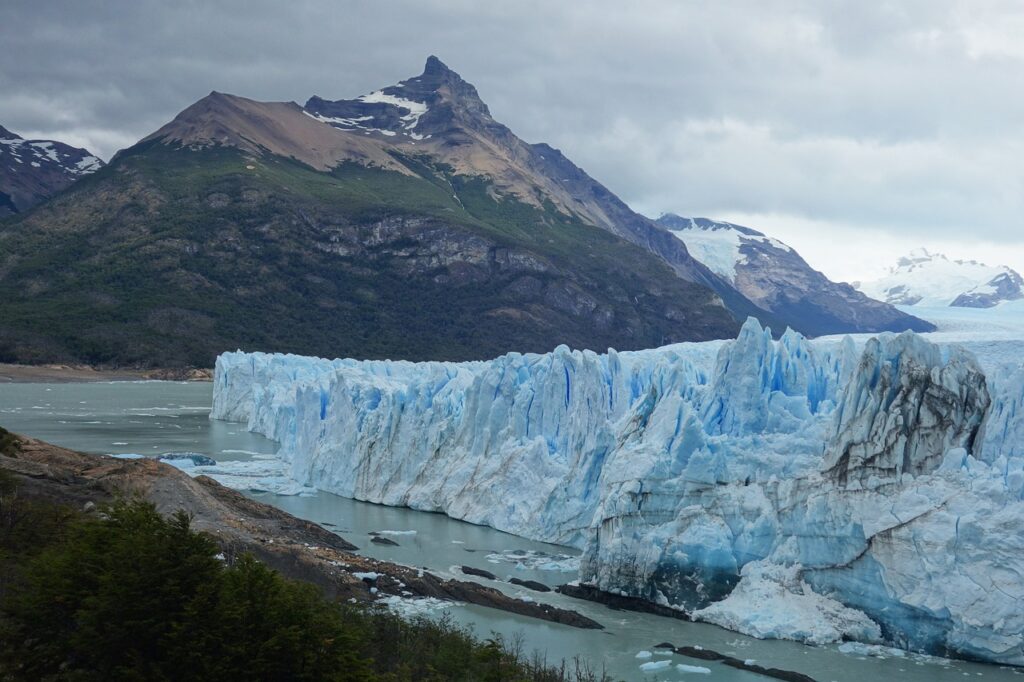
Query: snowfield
{"type": "Point", "coordinates": [866, 489]}
{"type": "Point", "coordinates": [933, 280]}
{"type": "Point", "coordinates": [717, 244]}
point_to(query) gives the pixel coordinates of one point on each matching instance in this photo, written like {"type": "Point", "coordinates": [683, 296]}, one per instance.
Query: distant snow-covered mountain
{"type": "Point", "coordinates": [34, 170]}
{"type": "Point", "coordinates": [931, 279]}
{"type": "Point", "coordinates": [775, 278]}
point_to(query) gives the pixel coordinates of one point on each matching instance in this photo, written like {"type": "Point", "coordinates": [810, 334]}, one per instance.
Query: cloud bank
{"type": "Point", "coordinates": [851, 130]}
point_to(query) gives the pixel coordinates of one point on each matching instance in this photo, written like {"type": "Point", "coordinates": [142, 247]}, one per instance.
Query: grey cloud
{"type": "Point", "coordinates": [905, 116]}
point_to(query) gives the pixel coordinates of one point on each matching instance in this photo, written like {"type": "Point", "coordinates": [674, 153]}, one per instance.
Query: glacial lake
{"type": "Point", "coordinates": [154, 417]}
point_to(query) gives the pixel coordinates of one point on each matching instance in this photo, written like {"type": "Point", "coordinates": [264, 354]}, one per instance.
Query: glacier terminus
{"type": "Point", "coordinates": [822, 490]}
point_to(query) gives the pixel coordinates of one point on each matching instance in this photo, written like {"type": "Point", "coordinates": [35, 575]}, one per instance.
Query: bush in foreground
{"type": "Point", "coordinates": [132, 595]}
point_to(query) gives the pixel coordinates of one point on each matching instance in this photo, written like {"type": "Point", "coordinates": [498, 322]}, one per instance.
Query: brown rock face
{"type": "Point", "coordinates": [280, 128]}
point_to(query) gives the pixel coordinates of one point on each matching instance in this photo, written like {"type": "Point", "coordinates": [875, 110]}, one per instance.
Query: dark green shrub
{"type": "Point", "coordinates": [131, 595]}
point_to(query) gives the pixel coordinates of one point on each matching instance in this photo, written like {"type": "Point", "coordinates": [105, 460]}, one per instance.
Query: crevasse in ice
{"type": "Point", "coordinates": [813, 490]}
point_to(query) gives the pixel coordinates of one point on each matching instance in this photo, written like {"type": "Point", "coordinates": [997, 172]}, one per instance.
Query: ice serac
{"type": "Point", "coordinates": [867, 491]}
{"type": "Point", "coordinates": [904, 409]}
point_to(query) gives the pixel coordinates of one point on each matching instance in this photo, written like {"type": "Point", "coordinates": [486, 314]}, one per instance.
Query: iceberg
{"type": "Point", "coordinates": [865, 489]}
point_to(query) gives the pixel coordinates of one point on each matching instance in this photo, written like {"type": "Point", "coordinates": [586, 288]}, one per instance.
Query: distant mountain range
{"type": "Point", "coordinates": [775, 278]}
{"type": "Point", "coordinates": [931, 279]}
{"type": "Point", "coordinates": [34, 170]}
{"type": "Point", "coordinates": [406, 223]}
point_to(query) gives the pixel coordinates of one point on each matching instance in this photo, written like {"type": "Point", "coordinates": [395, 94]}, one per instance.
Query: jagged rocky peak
{"type": "Point", "coordinates": [438, 79]}
{"type": "Point", "coordinates": [415, 109]}
{"type": "Point", "coordinates": [1006, 286]}
{"type": "Point", "coordinates": [34, 170]}
{"type": "Point", "coordinates": [916, 257]}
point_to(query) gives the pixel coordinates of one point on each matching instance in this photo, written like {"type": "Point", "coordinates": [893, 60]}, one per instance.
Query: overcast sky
{"type": "Point", "coordinates": [854, 131]}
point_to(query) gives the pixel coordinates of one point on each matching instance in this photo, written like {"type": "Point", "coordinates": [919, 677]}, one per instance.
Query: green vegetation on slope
{"type": "Point", "coordinates": [131, 595]}
{"type": "Point", "coordinates": [169, 256]}
{"type": "Point", "coordinates": [9, 444]}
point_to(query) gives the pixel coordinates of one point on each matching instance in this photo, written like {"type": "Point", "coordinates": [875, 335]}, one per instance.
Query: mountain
{"type": "Point", "coordinates": [425, 231]}
{"type": "Point", "coordinates": [406, 223]}
{"type": "Point", "coordinates": [34, 170]}
{"type": "Point", "coordinates": [931, 279]}
{"type": "Point", "coordinates": [774, 277]}
{"type": "Point", "coordinates": [438, 118]}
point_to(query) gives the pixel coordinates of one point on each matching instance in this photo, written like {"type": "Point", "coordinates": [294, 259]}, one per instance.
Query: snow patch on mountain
{"type": "Point", "coordinates": [931, 279]}
{"type": "Point", "coordinates": [31, 171]}
{"type": "Point", "coordinates": [718, 244]}
{"type": "Point", "coordinates": [340, 121]}
{"type": "Point", "coordinates": [399, 115]}
{"type": "Point", "coordinates": [415, 109]}
{"type": "Point", "coordinates": [87, 164]}
{"type": "Point", "coordinates": [45, 152]}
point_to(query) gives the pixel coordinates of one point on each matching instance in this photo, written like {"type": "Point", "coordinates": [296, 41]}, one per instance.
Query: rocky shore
{"type": "Point", "coordinates": [62, 374]}
{"type": "Point", "coordinates": [296, 548]}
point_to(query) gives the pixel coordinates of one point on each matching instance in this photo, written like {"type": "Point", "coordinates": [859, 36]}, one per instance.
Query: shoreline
{"type": "Point", "coordinates": [296, 548]}
{"type": "Point", "coordinates": [68, 374]}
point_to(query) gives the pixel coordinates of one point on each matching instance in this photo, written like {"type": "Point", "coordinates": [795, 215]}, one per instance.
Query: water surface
{"type": "Point", "coordinates": [155, 417]}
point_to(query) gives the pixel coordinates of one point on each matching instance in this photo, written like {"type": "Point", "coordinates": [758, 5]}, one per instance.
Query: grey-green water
{"type": "Point", "coordinates": [156, 417]}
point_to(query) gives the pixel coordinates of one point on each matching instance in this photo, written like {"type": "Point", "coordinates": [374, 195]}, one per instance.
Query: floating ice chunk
{"type": "Point", "coordinates": [874, 650]}
{"type": "Point", "coordinates": [260, 474]}
{"type": "Point", "coordinates": [773, 602]}
{"type": "Point", "coordinates": [684, 668]}
{"type": "Point", "coordinates": [537, 561]}
{"type": "Point", "coordinates": [411, 607]}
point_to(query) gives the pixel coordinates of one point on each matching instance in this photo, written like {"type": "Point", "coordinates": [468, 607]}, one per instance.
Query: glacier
{"type": "Point", "coordinates": [867, 489]}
